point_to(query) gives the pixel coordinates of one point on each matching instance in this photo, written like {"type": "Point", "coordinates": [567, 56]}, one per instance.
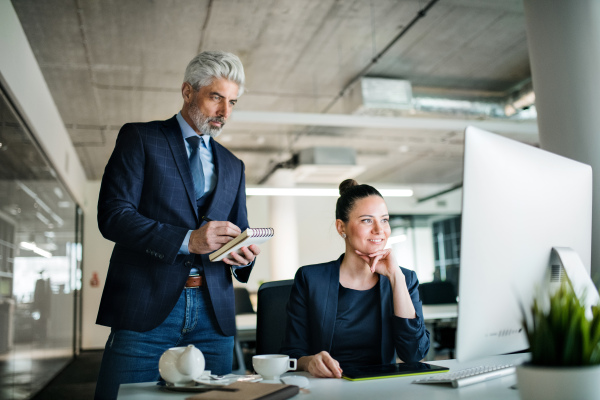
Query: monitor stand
{"type": "Point", "coordinates": [577, 275]}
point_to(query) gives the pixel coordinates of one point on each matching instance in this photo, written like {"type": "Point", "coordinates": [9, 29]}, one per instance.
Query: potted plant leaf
{"type": "Point", "coordinates": [565, 349]}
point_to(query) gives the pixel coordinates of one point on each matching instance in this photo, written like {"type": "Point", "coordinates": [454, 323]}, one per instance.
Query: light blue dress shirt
{"type": "Point", "coordinates": [210, 177]}
{"type": "Point", "coordinates": [208, 166]}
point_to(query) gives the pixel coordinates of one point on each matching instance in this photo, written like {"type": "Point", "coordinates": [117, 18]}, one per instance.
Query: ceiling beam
{"type": "Point", "coordinates": [361, 121]}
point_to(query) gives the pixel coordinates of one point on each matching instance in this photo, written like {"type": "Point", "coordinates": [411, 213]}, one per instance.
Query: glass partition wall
{"type": "Point", "coordinates": [40, 263]}
{"type": "Point", "coordinates": [428, 244]}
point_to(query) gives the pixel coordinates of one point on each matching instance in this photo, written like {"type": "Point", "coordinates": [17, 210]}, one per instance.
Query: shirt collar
{"type": "Point", "coordinates": [187, 130]}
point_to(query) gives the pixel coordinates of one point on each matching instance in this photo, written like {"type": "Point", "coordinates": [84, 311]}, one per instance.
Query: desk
{"type": "Point", "coordinates": [440, 311]}
{"type": "Point", "coordinates": [246, 327]}
{"type": "Point", "coordinates": [390, 388]}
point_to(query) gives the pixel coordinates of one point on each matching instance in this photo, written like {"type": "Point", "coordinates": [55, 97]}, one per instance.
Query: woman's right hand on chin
{"type": "Point", "coordinates": [321, 365]}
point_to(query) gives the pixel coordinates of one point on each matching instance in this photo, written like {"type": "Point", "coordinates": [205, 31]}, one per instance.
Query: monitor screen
{"type": "Point", "coordinates": [518, 203]}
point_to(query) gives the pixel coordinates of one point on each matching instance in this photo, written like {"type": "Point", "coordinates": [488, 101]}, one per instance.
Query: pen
{"type": "Point", "coordinates": [206, 219]}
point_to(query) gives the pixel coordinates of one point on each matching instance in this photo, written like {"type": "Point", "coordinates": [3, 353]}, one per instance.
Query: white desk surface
{"type": "Point", "coordinates": [440, 311]}
{"type": "Point", "coordinates": [390, 388]}
{"type": "Point", "coordinates": [245, 322]}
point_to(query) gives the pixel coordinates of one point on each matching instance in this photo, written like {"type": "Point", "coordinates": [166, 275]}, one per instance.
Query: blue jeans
{"type": "Point", "coordinates": [131, 357]}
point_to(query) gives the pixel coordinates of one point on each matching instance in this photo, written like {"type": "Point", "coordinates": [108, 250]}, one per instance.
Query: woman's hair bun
{"type": "Point", "coordinates": [347, 184]}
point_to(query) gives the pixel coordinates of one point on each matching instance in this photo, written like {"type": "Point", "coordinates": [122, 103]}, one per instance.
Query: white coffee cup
{"type": "Point", "coordinates": [271, 366]}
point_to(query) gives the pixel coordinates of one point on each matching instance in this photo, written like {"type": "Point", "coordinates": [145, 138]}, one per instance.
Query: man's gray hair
{"type": "Point", "coordinates": [208, 65]}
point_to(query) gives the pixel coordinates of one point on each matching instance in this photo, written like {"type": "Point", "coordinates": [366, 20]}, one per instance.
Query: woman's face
{"type": "Point", "coordinates": [368, 227]}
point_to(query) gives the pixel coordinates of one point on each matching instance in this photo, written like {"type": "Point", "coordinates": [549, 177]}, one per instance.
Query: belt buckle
{"type": "Point", "coordinates": [192, 287]}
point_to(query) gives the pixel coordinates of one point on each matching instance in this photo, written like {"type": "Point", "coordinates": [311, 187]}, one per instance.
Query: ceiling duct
{"type": "Point", "coordinates": [395, 98]}
{"type": "Point", "coordinates": [326, 165]}
{"type": "Point", "coordinates": [319, 165]}
{"type": "Point", "coordinates": [378, 93]}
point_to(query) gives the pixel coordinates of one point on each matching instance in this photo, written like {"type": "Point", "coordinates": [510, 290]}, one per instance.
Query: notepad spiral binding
{"type": "Point", "coordinates": [261, 232]}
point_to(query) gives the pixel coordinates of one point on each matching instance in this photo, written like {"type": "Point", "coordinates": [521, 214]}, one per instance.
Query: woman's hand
{"type": "Point", "coordinates": [321, 365]}
{"type": "Point", "coordinates": [383, 263]}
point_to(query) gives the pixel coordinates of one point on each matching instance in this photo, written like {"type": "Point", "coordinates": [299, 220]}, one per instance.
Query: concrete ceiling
{"type": "Point", "coordinates": [115, 61]}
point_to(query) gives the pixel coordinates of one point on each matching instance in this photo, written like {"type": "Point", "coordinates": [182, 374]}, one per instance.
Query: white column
{"type": "Point", "coordinates": [284, 245]}
{"type": "Point", "coordinates": [564, 50]}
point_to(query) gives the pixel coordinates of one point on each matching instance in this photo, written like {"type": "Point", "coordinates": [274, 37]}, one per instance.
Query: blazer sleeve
{"type": "Point", "coordinates": [296, 341]}
{"type": "Point", "coordinates": [119, 218]}
{"type": "Point", "coordinates": [239, 216]}
{"type": "Point", "coordinates": [411, 339]}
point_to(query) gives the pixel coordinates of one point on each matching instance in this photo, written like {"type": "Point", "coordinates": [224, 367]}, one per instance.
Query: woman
{"type": "Point", "coordinates": [361, 308]}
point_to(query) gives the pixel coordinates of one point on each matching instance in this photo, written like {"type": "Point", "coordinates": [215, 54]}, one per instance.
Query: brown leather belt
{"type": "Point", "coordinates": [194, 281]}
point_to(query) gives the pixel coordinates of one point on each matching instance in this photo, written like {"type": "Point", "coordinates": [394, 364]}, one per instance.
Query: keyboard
{"type": "Point", "coordinates": [470, 376]}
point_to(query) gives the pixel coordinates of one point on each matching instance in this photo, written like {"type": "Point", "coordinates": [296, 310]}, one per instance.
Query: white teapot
{"type": "Point", "coordinates": [181, 365]}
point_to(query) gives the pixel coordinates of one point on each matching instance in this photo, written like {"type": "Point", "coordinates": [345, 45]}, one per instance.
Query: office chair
{"type": "Point", "coordinates": [243, 305]}
{"type": "Point", "coordinates": [444, 333]}
{"type": "Point", "coordinates": [437, 292]}
{"type": "Point", "coordinates": [271, 315]}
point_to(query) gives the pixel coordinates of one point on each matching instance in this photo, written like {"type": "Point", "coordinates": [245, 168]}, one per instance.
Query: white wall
{"type": "Point", "coordinates": [424, 254]}
{"type": "Point", "coordinates": [22, 77]}
{"type": "Point", "coordinates": [96, 255]}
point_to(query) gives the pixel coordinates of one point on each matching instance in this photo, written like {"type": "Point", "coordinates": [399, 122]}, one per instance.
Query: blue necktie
{"type": "Point", "coordinates": [196, 165]}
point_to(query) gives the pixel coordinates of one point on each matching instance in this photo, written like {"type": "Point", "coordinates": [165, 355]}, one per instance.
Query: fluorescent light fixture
{"type": "Point", "coordinates": [396, 192]}
{"type": "Point", "coordinates": [319, 192]}
{"type": "Point", "coordinates": [35, 249]}
{"type": "Point", "coordinates": [42, 218]}
{"type": "Point", "coordinates": [291, 192]}
{"type": "Point", "coordinates": [43, 205]}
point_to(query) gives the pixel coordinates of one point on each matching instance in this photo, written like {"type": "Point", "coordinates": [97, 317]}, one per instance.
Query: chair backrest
{"type": "Point", "coordinates": [243, 305]}
{"type": "Point", "coordinates": [271, 315]}
{"type": "Point", "coordinates": [437, 292]}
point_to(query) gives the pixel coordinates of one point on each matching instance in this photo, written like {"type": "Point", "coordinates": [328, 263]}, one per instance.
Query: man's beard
{"type": "Point", "coordinates": [202, 122]}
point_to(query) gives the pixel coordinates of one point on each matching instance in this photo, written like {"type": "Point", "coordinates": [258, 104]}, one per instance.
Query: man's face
{"type": "Point", "coordinates": [211, 105]}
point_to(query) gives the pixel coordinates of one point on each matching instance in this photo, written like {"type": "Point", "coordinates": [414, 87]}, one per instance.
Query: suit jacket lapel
{"type": "Point", "coordinates": [331, 304]}
{"type": "Point", "coordinates": [173, 134]}
{"type": "Point", "coordinates": [387, 313]}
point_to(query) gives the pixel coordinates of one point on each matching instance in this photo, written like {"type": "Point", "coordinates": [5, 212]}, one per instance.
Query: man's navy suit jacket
{"type": "Point", "coordinates": [146, 206]}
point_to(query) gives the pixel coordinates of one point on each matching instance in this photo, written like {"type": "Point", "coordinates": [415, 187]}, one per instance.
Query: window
{"type": "Point", "coordinates": [446, 246]}
{"type": "Point", "coordinates": [40, 262]}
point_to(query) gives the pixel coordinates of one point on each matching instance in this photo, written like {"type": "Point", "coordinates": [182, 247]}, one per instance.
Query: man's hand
{"type": "Point", "coordinates": [243, 256]}
{"type": "Point", "coordinates": [212, 236]}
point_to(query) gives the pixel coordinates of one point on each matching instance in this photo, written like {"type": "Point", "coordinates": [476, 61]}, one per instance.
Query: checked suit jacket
{"type": "Point", "coordinates": [146, 206]}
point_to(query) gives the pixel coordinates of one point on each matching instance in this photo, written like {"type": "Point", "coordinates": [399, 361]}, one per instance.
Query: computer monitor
{"type": "Point", "coordinates": [518, 203]}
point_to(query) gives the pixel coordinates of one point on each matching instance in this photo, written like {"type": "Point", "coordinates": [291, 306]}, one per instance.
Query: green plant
{"type": "Point", "coordinates": [560, 334]}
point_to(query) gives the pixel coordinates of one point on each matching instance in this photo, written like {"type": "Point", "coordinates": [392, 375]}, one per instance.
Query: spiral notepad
{"type": "Point", "coordinates": [246, 238]}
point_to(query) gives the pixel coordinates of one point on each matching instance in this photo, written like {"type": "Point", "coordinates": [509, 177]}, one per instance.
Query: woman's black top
{"type": "Point", "coordinates": [357, 332]}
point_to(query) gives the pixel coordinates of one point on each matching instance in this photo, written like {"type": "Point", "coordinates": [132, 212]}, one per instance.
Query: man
{"type": "Point", "coordinates": [171, 195]}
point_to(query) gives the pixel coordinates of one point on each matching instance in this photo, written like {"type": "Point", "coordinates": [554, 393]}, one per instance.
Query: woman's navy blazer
{"type": "Point", "coordinates": [312, 310]}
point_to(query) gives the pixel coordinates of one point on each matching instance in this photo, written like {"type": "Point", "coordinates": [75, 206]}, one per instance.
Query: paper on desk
{"type": "Point", "coordinates": [227, 379]}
